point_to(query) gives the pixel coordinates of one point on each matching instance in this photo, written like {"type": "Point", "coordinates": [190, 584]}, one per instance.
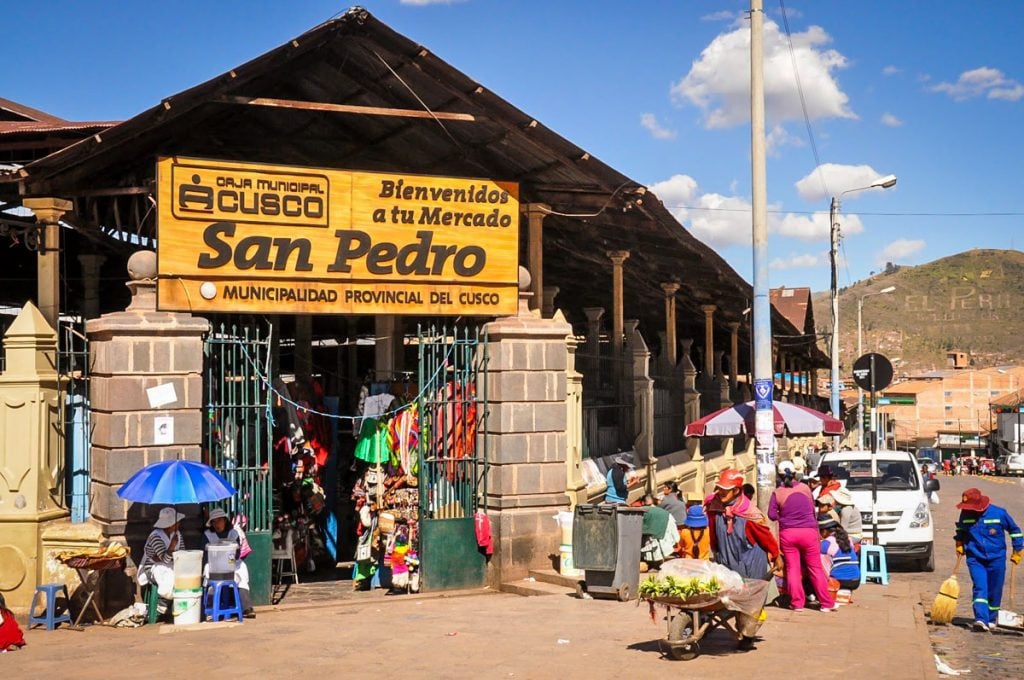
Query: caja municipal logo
{"type": "Point", "coordinates": [210, 193]}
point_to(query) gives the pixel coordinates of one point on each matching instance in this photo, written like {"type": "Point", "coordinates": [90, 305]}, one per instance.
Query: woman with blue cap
{"type": "Point", "coordinates": [694, 538]}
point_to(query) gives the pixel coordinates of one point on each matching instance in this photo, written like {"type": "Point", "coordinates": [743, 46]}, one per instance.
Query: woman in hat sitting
{"type": "Point", "coordinates": [980, 535]}
{"type": "Point", "coordinates": [219, 532]}
{"type": "Point", "coordinates": [837, 546]}
{"type": "Point", "coordinates": [841, 502]}
{"type": "Point", "coordinates": [157, 564]}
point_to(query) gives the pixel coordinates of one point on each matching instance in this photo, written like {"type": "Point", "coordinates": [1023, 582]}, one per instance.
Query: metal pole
{"type": "Point", "coordinates": [762, 339]}
{"type": "Point", "coordinates": [874, 460]}
{"type": "Point", "coordinates": [860, 391]}
{"type": "Point", "coordinates": [834, 291]}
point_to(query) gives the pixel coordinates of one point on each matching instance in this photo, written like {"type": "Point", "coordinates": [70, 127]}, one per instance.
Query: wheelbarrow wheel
{"type": "Point", "coordinates": [687, 652]}
{"type": "Point", "coordinates": [623, 593]}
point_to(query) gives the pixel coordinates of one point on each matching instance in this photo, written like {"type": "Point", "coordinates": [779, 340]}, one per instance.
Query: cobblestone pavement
{"type": "Point", "coordinates": [987, 655]}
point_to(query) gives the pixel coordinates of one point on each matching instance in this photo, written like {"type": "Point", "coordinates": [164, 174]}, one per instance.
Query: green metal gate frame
{"type": "Point", "coordinates": [453, 454]}
{"type": "Point", "coordinates": [237, 434]}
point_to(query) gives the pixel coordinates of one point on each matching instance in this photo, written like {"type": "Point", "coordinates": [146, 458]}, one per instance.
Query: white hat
{"type": "Point", "coordinates": [623, 459]}
{"type": "Point", "coordinates": [168, 517]}
{"type": "Point", "coordinates": [216, 513]}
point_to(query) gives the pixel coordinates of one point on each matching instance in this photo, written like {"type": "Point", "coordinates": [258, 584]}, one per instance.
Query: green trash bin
{"type": "Point", "coordinates": [606, 545]}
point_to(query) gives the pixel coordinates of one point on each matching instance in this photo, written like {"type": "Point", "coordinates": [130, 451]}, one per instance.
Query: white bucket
{"type": "Point", "coordinates": [188, 569]}
{"type": "Point", "coordinates": [564, 519]}
{"type": "Point", "coordinates": [221, 559]}
{"type": "Point", "coordinates": [565, 563]}
{"type": "Point", "coordinates": [187, 605]}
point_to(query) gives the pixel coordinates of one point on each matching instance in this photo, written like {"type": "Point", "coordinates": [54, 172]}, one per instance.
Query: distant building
{"type": "Point", "coordinates": [948, 409]}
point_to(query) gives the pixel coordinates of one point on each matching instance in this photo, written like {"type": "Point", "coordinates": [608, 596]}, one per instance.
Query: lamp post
{"type": "Point", "coordinates": [880, 183]}
{"type": "Point", "coordinates": [860, 352]}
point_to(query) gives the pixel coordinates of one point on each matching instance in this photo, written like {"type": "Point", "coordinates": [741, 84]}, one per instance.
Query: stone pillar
{"type": "Point", "coordinates": [31, 453]}
{"type": "Point", "coordinates": [547, 309]}
{"type": "Point", "coordinates": [734, 355]}
{"type": "Point", "coordinates": [721, 380]}
{"type": "Point", "coordinates": [48, 212]}
{"type": "Point", "coordinates": [526, 378]}
{"type": "Point", "coordinates": [303, 352]}
{"type": "Point", "coordinates": [691, 397]}
{"type": "Point", "coordinates": [670, 289]}
{"type": "Point", "coordinates": [643, 403]}
{"type": "Point", "coordinates": [91, 264]}
{"type": "Point", "coordinates": [132, 353]}
{"type": "Point", "coordinates": [617, 257]}
{"type": "Point", "coordinates": [535, 213]}
{"type": "Point", "coordinates": [575, 485]}
{"type": "Point", "coordinates": [709, 342]}
{"type": "Point", "coordinates": [592, 367]}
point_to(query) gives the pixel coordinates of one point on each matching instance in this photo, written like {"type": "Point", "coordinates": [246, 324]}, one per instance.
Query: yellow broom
{"type": "Point", "coordinates": [944, 605]}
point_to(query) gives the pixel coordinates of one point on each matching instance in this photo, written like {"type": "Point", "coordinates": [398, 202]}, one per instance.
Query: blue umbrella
{"type": "Point", "coordinates": [176, 481]}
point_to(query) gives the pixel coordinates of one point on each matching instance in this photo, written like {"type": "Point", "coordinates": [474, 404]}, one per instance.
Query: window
{"type": "Point", "coordinates": [947, 395]}
{"type": "Point", "coordinates": [948, 408]}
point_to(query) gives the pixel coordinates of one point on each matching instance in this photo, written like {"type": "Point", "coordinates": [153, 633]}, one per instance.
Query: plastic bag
{"type": "Point", "coordinates": [746, 596]}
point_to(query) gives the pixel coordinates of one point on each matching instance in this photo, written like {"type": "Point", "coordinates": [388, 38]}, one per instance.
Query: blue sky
{"type": "Point", "coordinates": [929, 91]}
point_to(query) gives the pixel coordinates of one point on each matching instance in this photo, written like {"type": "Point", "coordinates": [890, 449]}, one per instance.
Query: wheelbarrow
{"type": "Point", "coordinates": [689, 621]}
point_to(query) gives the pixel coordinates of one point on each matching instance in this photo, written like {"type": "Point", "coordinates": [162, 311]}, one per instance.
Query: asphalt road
{"type": "Point", "coordinates": [987, 655]}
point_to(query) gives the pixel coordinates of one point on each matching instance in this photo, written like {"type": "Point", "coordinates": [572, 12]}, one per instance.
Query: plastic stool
{"type": "Point", "coordinates": [49, 618]}
{"type": "Point", "coordinates": [881, 571]}
{"type": "Point", "coordinates": [152, 598]}
{"type": "Point", "coordinates": [218, 613]}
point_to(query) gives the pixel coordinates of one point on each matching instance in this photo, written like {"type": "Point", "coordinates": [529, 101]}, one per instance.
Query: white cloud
{"type": "Point", "coordinates": [899, 250]}
{"type": "Point", "coordinates": [719, 80]}
{"type": "Point", "coordinates": [779, 137]}
{"type": "Point", "coordinates": [889, 120]}
{"type": "Point", "coordinates": [721, 221]}
{"type": "Point", "coordinates": [983, 81]}
{"type": "Point", "coordinates": [651, 124]}
{"type": "Point", "coordinates": [804, 261]}
{"type": "Point", "coordinates": [721, 15]}
{"type": "Point", "coordinates": [891, 70]}
{"type": "Point", "coordinates": [839, 178]}
{"type": "Point", "coordinates": [816, 227]}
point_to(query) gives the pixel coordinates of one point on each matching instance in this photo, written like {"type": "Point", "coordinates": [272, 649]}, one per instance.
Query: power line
{"type": "Point", "coordinates": [871, 214]}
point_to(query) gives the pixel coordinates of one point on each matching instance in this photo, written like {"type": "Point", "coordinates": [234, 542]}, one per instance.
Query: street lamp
{"type": "Point", "coordinates": [880, 183]}
{"type": "Point", "coordinates": [860, 352]}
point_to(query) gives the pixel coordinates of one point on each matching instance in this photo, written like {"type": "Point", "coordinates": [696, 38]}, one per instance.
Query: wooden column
{"type": "Point", "coordinates": [617, 257]}
{"type": "Point", "coordinates": [91, 263]}
{"type": "Point", "coordinates": [48, 212]}
{"type": "Point", "coordinates": [670, 288]}
{"type": "Point", "coordinates": [303, 357]}
{"type": "Point", "coordinates": [709, 341]}
{"type": "Point", "coordinates": [535, 213]}
{"type": "Point", "coordinates": [734, 354]}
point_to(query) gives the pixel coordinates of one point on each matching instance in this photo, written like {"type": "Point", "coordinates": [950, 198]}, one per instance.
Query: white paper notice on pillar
{"type": "Point", "coordinates": [163, 430]}
{"type": "Point", "coordinates": [764, 428]}
{"type": "Point", "coordinates": [161, 395]}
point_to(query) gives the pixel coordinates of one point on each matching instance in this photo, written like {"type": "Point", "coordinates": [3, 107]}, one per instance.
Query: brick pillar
{"type": "Point", "coordinates": [131, 352]}
{"type": "Point", "coordinates": [526, 379]}
{"type": "Point", "coordinates": [91, 264]}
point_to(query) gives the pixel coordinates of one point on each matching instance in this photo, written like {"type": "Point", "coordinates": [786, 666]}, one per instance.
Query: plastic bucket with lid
{"type": "Point", "coordinates": [564, 519]}
{"type": "Point", "coordinates": [188, 569]}
{"type": "Point", "coordinates": [187, 604]}
{"type": "Point", "coordinates": [222, 560]}
{"type": "Point", "coordinates": [565, 563]}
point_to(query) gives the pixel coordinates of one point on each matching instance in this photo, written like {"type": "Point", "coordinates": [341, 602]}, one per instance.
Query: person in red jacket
{"type": "Point", "coordinates": [740, 536]}
{"type": "Point", "coordinates": [11, 638]}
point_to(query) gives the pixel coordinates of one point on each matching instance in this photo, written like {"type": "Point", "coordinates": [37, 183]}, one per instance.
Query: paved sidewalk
{"type": "Point", "coordinates": [493, 636]}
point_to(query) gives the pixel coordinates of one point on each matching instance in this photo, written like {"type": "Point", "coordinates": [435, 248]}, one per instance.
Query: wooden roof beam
{"type": "Point", "coordinates": [345, 108]}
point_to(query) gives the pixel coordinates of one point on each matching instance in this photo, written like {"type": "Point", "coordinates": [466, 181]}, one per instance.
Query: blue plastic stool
{"type": "Point", "coordinates": [216, 612]}
{"type": "Point", "coordinates": [49, 617]}
{"type": "Point", "coordinates": [879, 571]}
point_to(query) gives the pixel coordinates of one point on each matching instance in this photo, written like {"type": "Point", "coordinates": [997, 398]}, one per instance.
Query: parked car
{"type": "Point", "coordinates": [905, 525]}
{"type": "Point", "coordinates": [1012, 464]}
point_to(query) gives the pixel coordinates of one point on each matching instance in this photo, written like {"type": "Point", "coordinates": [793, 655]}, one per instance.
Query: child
{"type": "Point", "coordinates": [11, 638]}
{"type": "Point", "coordinates": [694, 538]}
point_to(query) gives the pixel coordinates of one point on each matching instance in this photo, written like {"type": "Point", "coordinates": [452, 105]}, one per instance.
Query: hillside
{"type": "Point", "coordinates": [970, 302]}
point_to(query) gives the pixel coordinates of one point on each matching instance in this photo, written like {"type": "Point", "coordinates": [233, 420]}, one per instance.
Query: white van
{"type": "Point", "coordinates": [904, 512]}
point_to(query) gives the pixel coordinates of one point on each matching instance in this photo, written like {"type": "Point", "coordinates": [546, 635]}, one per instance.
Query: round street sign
{"type": "Point", "coordinates": [874, 363]}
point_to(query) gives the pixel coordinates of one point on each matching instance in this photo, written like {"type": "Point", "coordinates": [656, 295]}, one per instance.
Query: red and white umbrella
{"type": "Point", "coordinates": [789, 419]}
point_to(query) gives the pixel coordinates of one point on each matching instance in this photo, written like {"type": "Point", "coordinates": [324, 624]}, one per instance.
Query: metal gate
{"type": "Point", "coordinates": [73, 369]}
{"type": "Point", "coordinates": [237, 434]}
{"type": "Point", "coordinates": [453, 461]}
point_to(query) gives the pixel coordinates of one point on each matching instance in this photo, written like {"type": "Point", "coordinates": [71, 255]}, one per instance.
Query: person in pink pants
{"type": "Point", "coordinates": [792, 506]}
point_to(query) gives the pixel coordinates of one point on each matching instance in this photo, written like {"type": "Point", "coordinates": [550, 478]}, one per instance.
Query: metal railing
{"type": "Point", "coordinates": [75, 420]}
{"type": "Point", "coordinates": [608, 408]}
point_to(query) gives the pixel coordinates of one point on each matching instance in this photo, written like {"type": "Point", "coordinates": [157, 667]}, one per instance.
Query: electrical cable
{"type": "Point", "coordinates": [870, 214]}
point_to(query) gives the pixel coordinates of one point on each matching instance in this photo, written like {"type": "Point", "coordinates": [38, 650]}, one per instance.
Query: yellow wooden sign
{"type": "Point", "coordinates": [242, 237]}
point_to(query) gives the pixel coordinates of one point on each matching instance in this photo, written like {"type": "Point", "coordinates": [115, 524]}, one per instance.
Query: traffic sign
{"type": "Point", "coordinates": [872, 372]}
